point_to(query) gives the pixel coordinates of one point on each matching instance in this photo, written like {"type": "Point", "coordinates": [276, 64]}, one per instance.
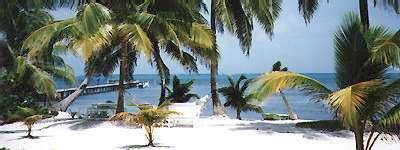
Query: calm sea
{"type": "Point", "coordinates": [301, 104]}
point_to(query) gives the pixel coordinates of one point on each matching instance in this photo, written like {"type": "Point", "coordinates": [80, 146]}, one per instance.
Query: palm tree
{"type": "Point", "coordinates": [291, 114]}
{"type": "Point", "coordinates": [236, 97]}
{"type": "Point", "coordinates": [364, 98]}
{"type": "Point", "coordinates": [170, 28]}
{"type": "Point", "coordinates": [148, 117]}
{"type": "Point", "coordinates": [31, 120]}
{"type": "Point", "coordinates": [180, 91]}
{"type": "Point", "coordinates": [363, 8]}
{"type": "Point", "coordinates": [237, 17]}
{"type": "Point", "coordinates": [25, 77]}
{"type": "Point", "coordinates": [88, 31]}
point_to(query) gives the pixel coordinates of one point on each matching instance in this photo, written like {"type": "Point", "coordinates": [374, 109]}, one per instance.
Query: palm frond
{"type": "Point", "coordinates": [307, 8]}
{"type": "Point", "coordinates": [138, 38]}
{"type": "Point", "coordinates": [391, 118]}
{"type": "Point", "coordinates": [352, 54]}
{"type": "Point", "coordinates": [276, 81]}
{"type": "Point", "coordinates": [349, 101]}
{"type": "Point", "coordinates": [394, 4]}
{"type": "Point", "coordinates": [265, 11]}
{"type": "Point", "coordinates": [385, 47]}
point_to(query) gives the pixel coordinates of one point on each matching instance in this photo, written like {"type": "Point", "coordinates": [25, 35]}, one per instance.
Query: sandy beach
{"type": "Point", "coordinates": [209, 133]}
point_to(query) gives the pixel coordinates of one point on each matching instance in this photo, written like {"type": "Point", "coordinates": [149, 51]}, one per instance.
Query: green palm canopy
{"type": "Point", "coordinates": [364, 96]}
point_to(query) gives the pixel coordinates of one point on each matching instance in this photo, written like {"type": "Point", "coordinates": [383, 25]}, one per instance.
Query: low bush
{"type": "Point", "coordinates": [270, 116]}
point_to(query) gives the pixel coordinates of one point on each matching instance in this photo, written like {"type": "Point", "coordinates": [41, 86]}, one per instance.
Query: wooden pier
{"type": "Point", "coordinates": [63, 93]}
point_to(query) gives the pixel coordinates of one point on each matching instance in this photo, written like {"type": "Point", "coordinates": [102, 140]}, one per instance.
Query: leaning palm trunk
{"type": "Point", "coordinates": [218, 110]}
{"type": "Point", "coordinates": [65, 103]}
{"type": "Point", "coordinates": [122, 74]}
{"type": "Point", "coordinates": [291, 113]}
{"type": "Point", "coordinates": [161, 72]}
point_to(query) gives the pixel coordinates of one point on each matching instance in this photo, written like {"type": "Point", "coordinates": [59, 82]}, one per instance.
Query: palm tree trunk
{"type": "Point", "coordinates": [66, 102]}
{"type": "Point", "coordinates": [359, 136]}
{"type": "Point", "coordinates": [122, 74]}
{"type": "Point", "coordinates": [364, 13]}
{"type": "Point", "coordinates": [161, 70]}
{"type": "Point", "coordinates": [238, 114]}
{"type": "Point", "coordinates": [218, 110]}
{"type": "Point", "coordinates": [29, 130]}
{"type": "Point", "coordinates": [291, 114]}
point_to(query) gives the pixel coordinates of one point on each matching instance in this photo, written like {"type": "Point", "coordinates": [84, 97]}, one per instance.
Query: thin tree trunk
{"type": "Point", "coordinates": [359, 136]}
{"type": "Point", "coordinates": [364, 13]}
{"type": "Point", "coordinates": [161, 71]}
{"type": "Point", "coordinates": [66, 102]}
{"type": "Point", "coordinates": [218, 110]}
{"type": "Point", "coordinates": [29, 130]}
{"type": "Point", "coordinates": [238, 114]}
{"type": "Point", "coordinates": [122, 74]}
{"type": "Point", "coordinates": [291, 114]}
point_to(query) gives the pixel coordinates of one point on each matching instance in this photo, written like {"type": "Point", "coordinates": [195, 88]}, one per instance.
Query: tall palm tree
{"type": "Point", "coordinates": [291, 114]}
{"type": "Point", "coordinates": [88, 31]}
{"type": "Point", "coordinates": [365, 98]}
{"type": "Point", "coordinates": [128, 32]}
{"type": "Point", "coordinates": [364, 13]}
{"type": "Point", "coordinates": [237, 17]}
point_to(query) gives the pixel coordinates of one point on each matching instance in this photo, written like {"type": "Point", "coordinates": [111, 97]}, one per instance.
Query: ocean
{"type": "Point", "coordinates": [301, 104]}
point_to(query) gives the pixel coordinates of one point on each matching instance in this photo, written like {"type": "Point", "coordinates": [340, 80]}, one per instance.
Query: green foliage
{"type": "Point", "coordinates": [270, 116]}
{"type": "Point", "coordinates": [3, 148]}
{"type": "Point", "coordinates": [180, 91]}
{"type": "Point", "coordinates": [236, 97]}
{"type": "Point", "coordinates": [364, 97]}
{"type": "Point", "coordinates": [148, 117]}
{"type": "Point", "coordinates": [323, 125]}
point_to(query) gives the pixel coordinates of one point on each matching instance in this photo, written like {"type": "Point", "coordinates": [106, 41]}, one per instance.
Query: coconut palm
{"type": "Point", "coordinates": [88, 31]}
{"type": "Point", "coordinates": [20, 71]}
{"type": "Point", "coordinates": [365, 99]}
{"type": "Point", "coordinates": [148, 117]}
{"type": "Point", "coordinates": [363, 8]}
{"type": "Point", "coordinates": [171, 29]}
{"type": "Point", "coordinates": [277, 67]}
{"type": "Point", "coordinates": [237, 17]}
{"type": "Point", "coordinates": [180, 91]}
{"type": "Point", "coordinates": [236, 97]}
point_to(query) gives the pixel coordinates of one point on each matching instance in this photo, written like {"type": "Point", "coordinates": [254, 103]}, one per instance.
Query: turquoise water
{"type": "Point", "coordinates": [301, 104]}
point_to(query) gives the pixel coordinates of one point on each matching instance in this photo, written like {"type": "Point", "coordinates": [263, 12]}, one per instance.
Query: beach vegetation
{"type": "Point", "coordinates": [180, 91]}
{"type": "Point", "coordinates": [365, 101]}
{"type": "Point", "coordinates": [31, 120]}
{"type": "Point", "coordinates": [291, 114]}
{"type": "Point", "coordinates": [237, 97]}
{"type": "Point", "coordinates": [148, 117]}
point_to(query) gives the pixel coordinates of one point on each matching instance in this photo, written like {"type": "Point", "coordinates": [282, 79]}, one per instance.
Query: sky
{"type": "Point", "coordinates": [304, 48]}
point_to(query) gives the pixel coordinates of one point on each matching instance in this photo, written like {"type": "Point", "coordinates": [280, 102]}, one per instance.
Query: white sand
{"type": "Point", "coordinates": [210, 133]}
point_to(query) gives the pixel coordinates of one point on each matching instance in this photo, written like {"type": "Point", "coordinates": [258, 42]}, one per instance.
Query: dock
{"type": "Point", "coordinates": [103, 88]}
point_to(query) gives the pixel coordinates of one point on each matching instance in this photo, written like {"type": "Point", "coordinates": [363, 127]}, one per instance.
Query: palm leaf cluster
{"type": "Point", "coordinates": [21, 76]}
{"type": "Point", "coordinates": [180, 91]}
{"type": "Point", "coordinates": [365, 97]}
{"type": "Point", "coordinates": [236, 97]}
{"type": "Point", "coordinates": [148, 117]}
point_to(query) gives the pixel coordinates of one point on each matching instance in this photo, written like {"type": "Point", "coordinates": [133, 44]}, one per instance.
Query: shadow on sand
{"type": "Point", "coordinates": [143, 146]}
{"type": "Point", "coordinates": [28, 137]}
{"type": "Point", "coordinates": [85, 124]}
{"type": "Point", "coordinates": [271, 128]}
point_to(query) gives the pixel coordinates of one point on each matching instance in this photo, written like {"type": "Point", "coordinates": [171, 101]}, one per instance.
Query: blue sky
{"type": "Point", "coordinates": [303, 48]}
